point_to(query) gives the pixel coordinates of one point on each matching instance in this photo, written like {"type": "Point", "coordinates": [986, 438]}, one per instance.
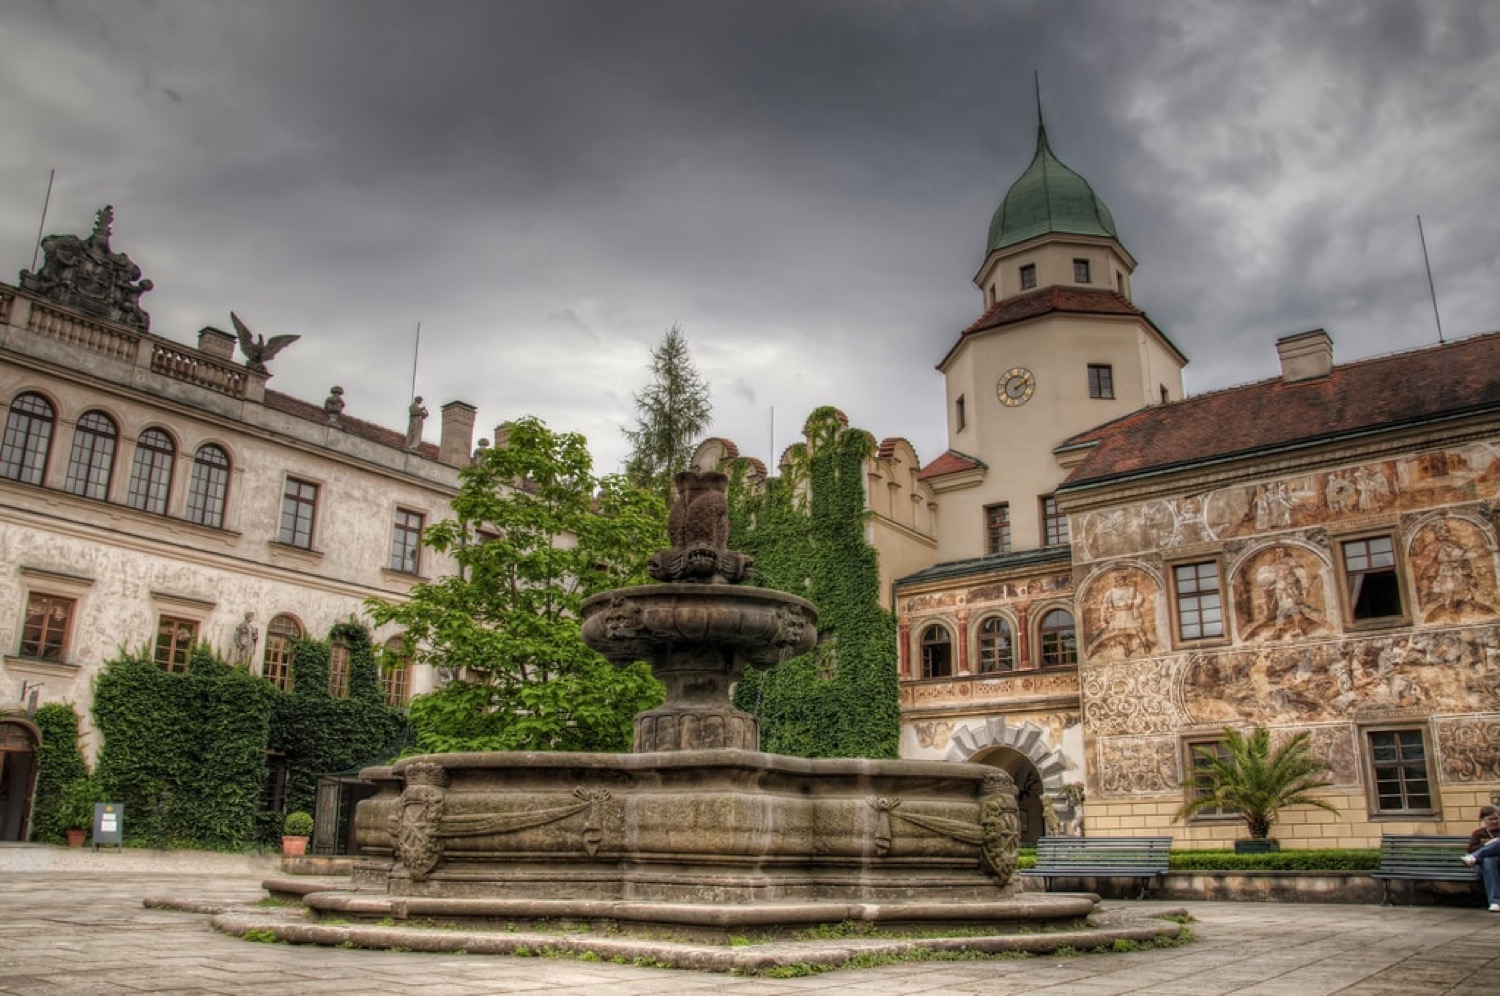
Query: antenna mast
{"type": "Point", "coordinates": [42, 225]}
{"type": "Point", "coordinates": [1431, 289]}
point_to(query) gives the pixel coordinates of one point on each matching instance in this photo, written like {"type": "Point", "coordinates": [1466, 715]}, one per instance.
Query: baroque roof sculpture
{"type": "Point", "coordinates": [88, 275]}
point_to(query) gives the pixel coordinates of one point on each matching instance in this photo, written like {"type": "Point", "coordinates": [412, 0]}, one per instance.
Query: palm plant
{"type": "Point", "coordinates": [1250, 779]}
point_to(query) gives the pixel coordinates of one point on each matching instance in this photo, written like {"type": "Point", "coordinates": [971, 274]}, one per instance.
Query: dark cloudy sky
{"type": "Point", "coordinates": [805, 187]}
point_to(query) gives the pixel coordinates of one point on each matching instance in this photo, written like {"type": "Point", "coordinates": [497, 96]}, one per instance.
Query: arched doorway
{"type": "Point", "coordinates": [1029, 788]}
{"type": "Point", "coordinates": [19, 739]}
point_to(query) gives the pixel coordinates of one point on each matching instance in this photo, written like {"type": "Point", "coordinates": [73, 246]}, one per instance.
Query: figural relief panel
{"type": "Point", "coordinates": [1435, 477]}
{"type": "Point", "coordinates": [1019, 591]}
{"type": "Point", "coordinates": [1469, 749]}
{"type": "Point", "coordinates": [1280, 593]}
{"type": "Point", "coordinates": [1131, 698]}
{"type": "Point", "coordinates": [1334, 745]}
{"type": "Point", "coordinates": [1454, 567]}
{"type": "Point", "coordinates": [1137, 766]}
{"type": "Point", "coordinates": [1120, 615]}
{"type": "Point", "coordinates": [1448, 671]}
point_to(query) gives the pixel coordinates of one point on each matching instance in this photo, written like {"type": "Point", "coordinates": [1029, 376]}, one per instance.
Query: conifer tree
{"type": "Point", "coordinates": [672, 412]}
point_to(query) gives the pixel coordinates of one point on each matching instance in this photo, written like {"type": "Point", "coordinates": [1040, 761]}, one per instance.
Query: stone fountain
{"type": "Point", "coordinates": [694, 831]}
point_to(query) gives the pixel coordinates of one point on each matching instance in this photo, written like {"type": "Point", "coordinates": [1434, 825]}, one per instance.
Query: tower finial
{"type": "Point", "coordinates": [1036, 79]}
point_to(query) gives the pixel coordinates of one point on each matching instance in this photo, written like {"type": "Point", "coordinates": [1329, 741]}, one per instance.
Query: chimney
{"type": "Point", "coordinates": [1305, 356]}
{"type": "Point", "coordinates": [216, 343]}
{"type": "Point", "coordinates": [458, 434]}
{"type": "Point", "coordinates": [502, 435]}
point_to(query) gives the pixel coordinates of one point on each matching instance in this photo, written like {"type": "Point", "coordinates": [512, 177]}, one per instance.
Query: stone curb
{"type": "Point", "coordinates": [1145, 928]}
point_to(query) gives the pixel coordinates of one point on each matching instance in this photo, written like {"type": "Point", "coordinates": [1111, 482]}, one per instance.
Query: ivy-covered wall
{"type": "Point", "coordinates": [188, 753]}
{"type": "Point", "coordinates": [59, 760]}
{"type": "Point", "coordinates": [806, 531]}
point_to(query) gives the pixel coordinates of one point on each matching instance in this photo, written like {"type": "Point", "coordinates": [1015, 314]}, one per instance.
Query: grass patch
{"type": "Point", "coordinates": [261, 935]}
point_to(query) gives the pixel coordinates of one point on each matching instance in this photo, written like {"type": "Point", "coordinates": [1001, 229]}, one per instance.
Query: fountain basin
{"type": "Point", "coordinates": [703, 828]}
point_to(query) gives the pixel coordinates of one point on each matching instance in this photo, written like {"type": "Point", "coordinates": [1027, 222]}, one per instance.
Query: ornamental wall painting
{"type": "Point", "coordinates": [1469, 748]}
{"type": "Point", "coordinates": [1131, 698]}
{"type": "Point", "coordinates": [1136, 766]}
{"type": "Point", "coordinates": [1450, 671]}
{"type": "Point", "coordinates": [1436, 477]}
{"type": "Point", "coordinates": [1454, 566]}
{"type": "Point", "coordinates": [1281, 593]}
{"type": "Point", "coordinates": [1120, 609]}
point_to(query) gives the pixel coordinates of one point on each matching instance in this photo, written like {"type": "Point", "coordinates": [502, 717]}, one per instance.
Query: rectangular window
{"type": "Point", "coordinates": [959, 414]}
{"type": "Point", "coordinates": [406, 541]}
{"type": "Point", "coordinates": [338, 671]}
{"type": "Point", "coordinates": [1101, 380]}
{"type": "Point", "coordinates": [1081, 271]}
{"type": "Point", "coordinates": [395, 683]}
{"type": "Point", "coordinates": [997, 528]}
{"type": "Point", "coordinates": [1054, 523]}
{"type": "Point", "coordinates": [298, 504]}
{"type": "Point", "coordinates": [1398, 770]}
{"type": "Point", "coordinates": [1028, 276]}
{"type": "Point", "coordinates": [174, 642]}
{"type": "Point", "coordinates": [1200, 609]}
{"type": "Point", "coordinates": [1370, 574]}
{"type": "Point", "coordinates": [1201, 755]}
{"type": "Point", "coordinates": [49, 619]}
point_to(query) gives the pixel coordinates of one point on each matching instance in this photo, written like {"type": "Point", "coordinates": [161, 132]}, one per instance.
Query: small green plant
{"type": "Point", "coordinates": [76, 810]}
{"type": "Point", "coordinates": [297, 824]}
{"type": "Point", "coordinates": [1253, 781]}
{"type": "Point", "coordinates": [260, 935]}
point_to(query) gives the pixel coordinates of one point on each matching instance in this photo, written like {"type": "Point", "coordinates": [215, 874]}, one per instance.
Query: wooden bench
{"type": "Point", "coordinates": [1419, 858]}
{"type": "Point", "coordinates": [1103, 857]}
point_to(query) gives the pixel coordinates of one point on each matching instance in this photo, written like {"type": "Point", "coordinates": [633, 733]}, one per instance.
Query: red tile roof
{"type": "Point", "coordinates": [355, 427]}
{"type": "Point", "coordinates": [950, 462]}
{"type": "Point", "coordinates": [1084, 300]}
{"type": "Point", "coordinates": [1387, 391]}
{"type": "Point", "coordinates": [1057, 299]}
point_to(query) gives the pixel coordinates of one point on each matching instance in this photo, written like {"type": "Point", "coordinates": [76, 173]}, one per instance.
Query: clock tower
{"type": "Point", "coordinates": [1059, 347]}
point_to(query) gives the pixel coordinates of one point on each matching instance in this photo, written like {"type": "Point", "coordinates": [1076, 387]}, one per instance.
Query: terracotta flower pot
{"type": "Point", "coordinates": [75, 837]}
{"type": "Point", "coordinates": [293, 847]}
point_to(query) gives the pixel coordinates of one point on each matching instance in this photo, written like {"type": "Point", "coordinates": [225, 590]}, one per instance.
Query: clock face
{"type": "Point", "coordinates": [1016, 386]}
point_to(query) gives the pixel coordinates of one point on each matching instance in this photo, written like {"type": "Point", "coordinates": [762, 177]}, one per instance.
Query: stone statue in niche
{"type": "Point", "coordinates": [88, 275]}
{"type": "Point", "coordinates": [246, 636]}
{"type": "Point", "coordinates": [698, 526]}
{"type": "Point", "coordinates": [1448, 578]}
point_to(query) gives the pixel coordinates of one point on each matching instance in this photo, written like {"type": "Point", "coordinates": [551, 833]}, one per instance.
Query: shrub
{"type": "Point", "coordinates": [76, 810]}
{"type": "Point", "coordinates": [298, 824]}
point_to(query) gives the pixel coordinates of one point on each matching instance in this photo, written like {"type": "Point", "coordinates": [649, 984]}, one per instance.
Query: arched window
{"type": "Point", "coordinates": [996, 649]}
{"type": "Point", "coordinates": [1059, 639]}
{"type": "Point", "coordinates": [277, 669]}
{"type": "Point", "coordinates": [937, 652]}
{"type": "Point", "coordinates": [151, 473]}
{"type": "Point", "coordinates": [28, 437]}
{"type": "Point", "coordinates": [208, 487]}
{"type": "Point", "coordinates": [92, 459]}
{"type": "Point", "coordinates": [395, 672]}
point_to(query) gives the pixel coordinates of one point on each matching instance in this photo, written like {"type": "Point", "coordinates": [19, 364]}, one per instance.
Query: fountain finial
{"type": "Point", "coordinates": [698, 527]}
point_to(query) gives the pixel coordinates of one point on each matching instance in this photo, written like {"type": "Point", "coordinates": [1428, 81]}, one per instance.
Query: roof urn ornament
{"type": "Point", "coordinates": [257, 348]}
{"type": "Point", "coordinates": [88, 275]}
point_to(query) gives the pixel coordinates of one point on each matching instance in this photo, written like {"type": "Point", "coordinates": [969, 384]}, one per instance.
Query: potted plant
{"type": "Point", "coordinates": [1248, 778]}
{"type": "Point", "coordinates": [76, 808]}
{"type": "Point", "coordinates": [295, 830]}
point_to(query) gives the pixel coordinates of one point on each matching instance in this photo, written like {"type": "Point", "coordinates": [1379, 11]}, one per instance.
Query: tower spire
{"type": "Point", "coordinates": [1036, 79]}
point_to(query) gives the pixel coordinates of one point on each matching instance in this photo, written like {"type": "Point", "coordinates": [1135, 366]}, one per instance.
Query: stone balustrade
{"type": "Point", "coordinates": [97, 337]}
{"type": "Point", "coordinates": [195, 368]}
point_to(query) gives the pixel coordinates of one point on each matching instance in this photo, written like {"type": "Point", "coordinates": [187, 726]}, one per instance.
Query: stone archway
{"type": "Point", "coordinates": [1023, 751]}
{"type": "Point", "coordinates": [19, 740]}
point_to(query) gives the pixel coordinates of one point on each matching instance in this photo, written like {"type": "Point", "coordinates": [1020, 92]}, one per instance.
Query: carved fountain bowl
{"type": "Point", "coordinates": [761, 627]}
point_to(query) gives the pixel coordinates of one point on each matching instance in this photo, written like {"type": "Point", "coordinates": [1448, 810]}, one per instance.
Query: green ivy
{"type": "Point", "coordinates": [806, 531]}
{"type": "Point", "coordinates": [187, 753]}
{"type": "Point", "coordinates": [59, 761]}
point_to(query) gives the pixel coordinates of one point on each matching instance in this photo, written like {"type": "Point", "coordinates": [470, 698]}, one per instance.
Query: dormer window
{"type": "Point", "coordinates": [1028, 276]}
{"type": "Point", "coordinates": [1120, 282]}
{"type": "Point", "coordinates": [992, 294]}
{"type": "Point", "coordinates": [1081, 271]}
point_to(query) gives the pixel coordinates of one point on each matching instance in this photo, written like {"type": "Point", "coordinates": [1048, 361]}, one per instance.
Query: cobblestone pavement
{"type": "Point", "coordinates": [65, 932]}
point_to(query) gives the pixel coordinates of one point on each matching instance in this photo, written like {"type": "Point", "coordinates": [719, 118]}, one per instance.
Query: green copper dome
{"type": "Point", "coordinates": [1047, 198]}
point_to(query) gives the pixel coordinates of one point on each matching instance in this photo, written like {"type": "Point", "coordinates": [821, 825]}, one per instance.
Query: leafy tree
{"type": "Point", "coordinates": [1250, 779]}
{"type": "Point", "coordinates": [671, 415]}
{"type": "Point", "coordinates": [534, 533]}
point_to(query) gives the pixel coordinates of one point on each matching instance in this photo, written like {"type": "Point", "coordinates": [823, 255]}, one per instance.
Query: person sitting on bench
{"type": "Point", "coordinates": [1484, 851]}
